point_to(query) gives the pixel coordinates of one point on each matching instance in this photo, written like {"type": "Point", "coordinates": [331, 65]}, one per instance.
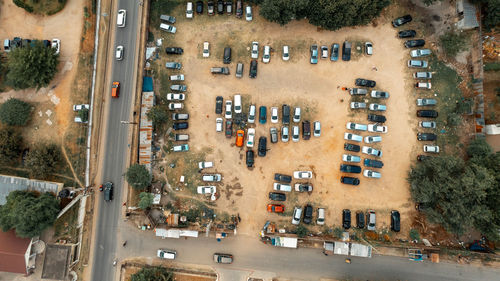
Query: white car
{"type": "Point", "coordinates": [56, 44]}
{"type": "Point", "coordinates": [251, 113]}
{"type": "Point", "coordinates": [369, 48]}
{"type": "Point", "coordinates": [297, 214]}
{"type": "Point", "coordinates": [324, 52]}
{"type": "Point", "coordinates": [274, 115]}
{"type": "Point", "coordinates": [229, 111]}
{"type": "Point", "coordinates": [373, 139]}
{"type": "Point", "coordinates": [178, 77]}
{"type": "Point", "coordinates": [237, 104]}
{"type": "Point", "coordinates": [351, 158]}
{"type": "Point", "coordinates": [303, 174]}
{"type": "Point", "coordinates": [427, 124]}
{"type": "Point", "coordinates": [206, 49]}
{"type": "Point", "coordinates": [285, 134]}
{"type": "Point", "coordinates": [207, 189]}
{"type": "Point", "coordinates": [296, 115]}
{"type": "Point", "coordinates": [78, 107]}
{"type": "Point", "coordinates": [166, 254]}
{"type": "Point", "coordinates": [175, 105]}
{"type": "Point", "coordinates": [173, 96]}
{"type": "Point", "coordinates": [431, 148]}
{"type": "Point", "coordinates": [119, 52]}
{"type": "Point", "coordinates": [371, 151]}
{"type": "Point", "coordinates": [212, 177]}
{"type": "Point", "coordinates": [248, 13]}
{"type": "Point", "coordinates": [379, 94]}
{"type": "Point", "coordinates": [358, 105]}
{"type": "Point", "coordinates": [377, 107]}
{"type": "Point", "coordinates": [372, 174]}
{"type": "Point", "coordinates": [189, 10]}
{"type": "Point", "coordinates": [321, 216]}
{"type": "Point", "coordinates": [168, 28]}
{"type": "Point", "coordinates": [295, 134]}
{"type": "Point", "coordinates": [353, 137]}
{"type": "Point", "coordinates": [255, 50]}
{"type": "Point", "coordinates": [121, 17]}
{"type": "Point", "coordinates": [205, 165]}
{"type": "Point", "coordinates": [250, 137]}
{"type": "Point", "coordinates": [356, 126]}
{"type": "Point", "coordinates": [317, 129]}
{"type": "Point", "coordinates": [377, 128]}
{"type": "Point", "coordinates": [286, 53]}
{"type": "Point", "coordinates": [266, 57]}
{"type": "Point", "coordinates": [282, 187]}
{"type": "Point", "coordinates": [423, 85]}
{"type": "Point", "coordinates": [218, 124]}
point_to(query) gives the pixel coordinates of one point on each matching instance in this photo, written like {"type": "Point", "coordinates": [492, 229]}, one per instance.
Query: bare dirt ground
{"type": "Point", "coordinates": [315, 88]}
{"type": "Point", "coordinates": [53, 113]}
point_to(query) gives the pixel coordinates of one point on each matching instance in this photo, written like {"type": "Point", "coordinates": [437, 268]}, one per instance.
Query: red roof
{"type": "Point", "coordinates": [12, 251]}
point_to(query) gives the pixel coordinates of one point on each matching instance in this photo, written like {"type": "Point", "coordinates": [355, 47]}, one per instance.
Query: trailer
{"type": "Point", "coordinates": [286, 242]}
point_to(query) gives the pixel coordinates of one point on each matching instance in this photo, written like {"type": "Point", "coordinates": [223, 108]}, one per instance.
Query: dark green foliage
{"type": "Point", "coordinates": [15, 112]}
{"type": "Point", "coordinates": [138, 176]}
{"type": "Point", "coordinates": [453, 43]}
{"type": "Point", "coordinates": [43, 160]}
{"type": "Point", "coordinates": [23, 5]}
{"type": "Point", "coordinates": [492, 66]}
{"type": "Point", "coordinates": [283, 11]}
{"type": "Point", "coordinates": [192, 214]}
{"type": "Point", "coordinates": [301, 231]}
{"type": "Point", "coordinates": [10, 145]}
{"type": "Point", "coordinates": [145, 200]}
{"type": "Point", "coordinates": [490, 11]}
{"type": "Point", "coordinates": [32, 66]}
{"type": "Point", "coordinates": [84, 114]}
{"type": "Point", "coordinates": [414, 235]}
{"type": "Point", "coordinates": [158, 114]}
{"type": "Point", "coordinates": [153, 274]}
{"type": "Point", "coordinates": [479, 148]}
{"type": "Point", "coordinates": [28, 213]}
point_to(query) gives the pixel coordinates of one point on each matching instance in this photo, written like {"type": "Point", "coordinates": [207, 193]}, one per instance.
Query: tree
{"type": "Point", "coordinates": [10, 145]}
{"type": "Point", "coordinates": [33, 66]}
{"type": "Point", "coordinates": [15, 112]}
{"type": "Point", "coordinates": [490, 12]}
{"type": "Point", "coordinates": [283, 11]}
{"type": "Point", "coordinates": [138, 176]}
{"type": "Point", "coordinates": [158, 115]}
{"type": "Point", "coordinates": [301, 231]}
{"type": "Point", "coordinates": [43, 160]}
{"type": "Point", "coordinates": [28, 213]}
{"type": "Point", "coordinates": [145, 200]}
{"type": "Point", "coordinates": [153, 274]}
{"type": "Point", "coordinates": [83, 114]}
{"type": "Point", "coordinates": [479, 148]}
{"type": "Point", "coordinates": [453, 43]}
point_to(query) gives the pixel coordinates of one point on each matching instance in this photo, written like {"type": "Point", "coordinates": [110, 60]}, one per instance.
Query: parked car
{"type": "Point", "coordinates": [356, 126]}
{"type": "Point", "coordinates": [297, 215]}
{"type": "Point", "coordinates": [273, 133]}
{"type": "Point", "coordinates": [229, 7]}
{"type": "Point", "coordinates": [426, 102]}
{"type": "Point", "coordinates": [240, 137]}
{"type": "Point", "coordinates": [274, 115]}
{"type": "Point", "coordinates": [365, 82]}
{"type": "Point", "coordinates": [180, 126]}
{"type": "Point", "coordinates": [373, 139]}
{"type": "Point", "coordinates": [417, 63]}
{"type": "Point", "coordinates": [321, 217]}
{"type": "Point", "coordinates": [334, 54]}
{"type": "Point", "coordinates": [174, 50]}
{"type": "Point", "coordinates": [262, 115]}
{"type": "Point", "coordinates": [431, 148]}
{"type": "Point", "coordinates": [285, 134]}
{"type": "Point", "coordinates": [296, 115]}
{"type": "Point", "coordinates": [295, 133]}
{"type": "Point", "coordinates": [282, 187]}
{"type": "Point", "coordinates": [248, 13]}
{"type": "Point", "coordinates": [262, 146]}
{"type": "Point", "coordinates": [166, 254]}
{"type": "Point", "coordinates": [407, 33]}
{"type": "Point", "coordinates": [181, 137]}
{"type": "Point", "coordinates": [371, 174]}
{"type": "Point", "coordinates": [237, 104]}
{"type": "Point", "coordinates": [371, 151]}
{"type": "Point", "coordinates": [415, 43]}
{"type": "Point", "coordinates": [250, 158]}
{"type": "Point", "coordinates": [207, 189]}
{"type": "Point", "coordinates": [377, 107]}
{"type": "Point", "coordinates": [178, 77]}
{"type": "Point", "coordinates": [353, 137]}
{"type": "Point", "coordinates": [220, 7]}
{"type": "Point", "coordinates": [119, 53]}
{"type": "Point", "coordinates": [253, 69]}
{"type": "Point", "coordinates": [346, 218]}
{"type": "Point", "coordinates": [108, 191]}
{"type": "Point", "coordinates": [355, 169]}
{"type": "Point", "coordinates": [422, 75]}
{"type": "Point", "coordinates": [276, 196]}
{"type": "Point", "coordinates": [395, 221]}
{"type": "Point", "coordinates": [229, 111]}
{"type": "Point", "coordinates": [349, 180]}
{"type": "Point", "coordinates": [379, 95]}
{"type": "Point", "coordinates": [377, 128]}
{"type": "Point", "coordinates": [121, 18]}
{"type": "Point", "coordinates": [360, 220]}
{"type": "Point", "coordinates": [358, 91]}
{"type": "Point", "coordinates": [427, 124]}
{"type": "Point", "coordinates": [218, 105]}
{"type": "Point", "coordinates": [168, 28]}
{"type": "Point", "coordinates": [266, 56]}
{"type": "Point", "coordinates": [206, 49]}
{"type": "Point", "coordinates": [306, 130]}
{"type": "Point", "coordinates": [285, 114]}
{"type": "Point", "coordinates": [376, 118]}
{"type": "Point", "coordinates": [180, 88]}
{"type": "Point", "coordinates": [78, 107]}
{"type": "Point", "coordinates": [229, 129]}
{"type": "Point", "coordinates": [358, 105]}
{"type": "Point", "coordinates": [223, 258]}
{"type": "Point", "coordinates": [420, 53]}
{"type": "Point", "coordinates": [351, 158]}
{"type": "Point", "coordinates": [173, 65]}
{"type": "Point", "coordinates": [308, 214]}
{"type": "Point", "coordinates": [423, 85]}
{"type": "Point", "coordinates": [286, 53]}
{"type": "Point", "coordinates": [371, 220]}
{"type": "Point", "coordinates": [302, 175]}
{"type": "Point", "coordinates": [324, 52]}
{"type": "Point", "coordinates": [426, 137]}
{"type": "Point", "coordinates": [189, 10]}
{"type": "Point", "coordinates": [180, 116]}
{"type": "Point", "coordinates": [317, 129]}
{"type": "Point", "coordinates": [373, 163]}
{"type": "Point", "coordinates": [351, 147]}
{"type": "Point", "coordinates": [239, 8]}
{"type": "Point", "coordinates": [282, 178]}
{"type": "Point", "coordinates": [275, 208]}
{"type": "Point", "coordinates": [346, 51]}
{"type": "Point", "coordinates": [226, 59]}
{"type": "Point", "coordinates": [199, 7]}
{"type": "Point", "coordinates": [401, 20]}
{"type": "Point", "coordinates": [239, 70]}
{"type": "Point", "coordinates": [205, 165]}
{"type": "Point", "coordinates": [56, 44]}
{"type": "Point", "coordinates": [250, 137]}
{"type": "Point", "coordinates": [427, 113]}
{"type": "Point", "coordinates": [175, 105]}
{"type": "Point", "coordinates": [210, 8]}
{"type": "Point", "coordinates": [314, 54]}
{"type": "Point", "coordinates": [303, 187]}
{"type": "Point", "coordinates": [251, 114]}
{"type": "Point", "coordinates": [423, 157]}
{"type": "Point", "coordinates": [369, 48]}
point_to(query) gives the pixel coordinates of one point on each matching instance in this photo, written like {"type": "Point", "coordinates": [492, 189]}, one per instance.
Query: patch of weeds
{"type": "Point", "coordinates": [492, 66]}
{"type": "Point", "coordinates": [337, 232]}
{"type": "Point", "coordinates": [161, 7]}
{"type": "Point", "coordinates": [414, 235]}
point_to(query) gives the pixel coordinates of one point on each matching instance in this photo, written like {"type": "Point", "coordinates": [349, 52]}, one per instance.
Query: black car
{"type": "Point", "coordinates": [218, 105]}
{"type": "Point", "coordinates": [282, 178]}
{"type": "Point", "coordinates": [373, 163]}
{"type": "Point", "coordinates": [306, 130]}
{"type": "Point", "coordinates": [253, 69]}
{"type": "Point", "coordinates": [220, 7]}
{"type": "Point", "coordinates": [174, 50]}
{"type": "Point", "coordinates": [415, 43]}
{"type": "Point", "coordinates": [426, 137]}
{"type": "Point", "coordinates": [180, 126]}
{"type": "Point", "coordinates": [199, 7]}
{"type": "Point", "coordinates": [360, 220]}
{"type": "Point", "coordinates": [250, 158]}
{"type": "Point", "coordinates": [108, 191]}
{"type": "Point", "coordinates": [349, 180]}
{"type": "Point", "coordinates": [407, 33]}
{"type": "Point", "coordinates": [376, 118]}
{"type": "Point", "coordinates": [308, 214]}
{"type": "Point", "coordinates": [423, 157]}
{"type": "Point", "coordinates": [346, 218]}
{"type": "Point", "coordinates": [262, 146]}
{"type": "Point", "coordinates": [276, 196]}
{"type": "Point", "coordinates": [350, 168]}
{"type": "Point", "coordinates": [427, 113]}
{"type": "Point", "coordinates": [262, 115]}
{"type": "Point", "coordinates": [227, 55]}
{"type": "Point", "coordinates": [351, 147]}
{"type": "Point", "coordinates": [395, 221]}
{"type": "Point", "coordinates": [229, 129]}
{"type": "Point", "coordinates": [365, 83]}
{"type": "Point", "coordinates": [401, 20]}
{"type": "Point", "coordinates": [210, 8]}
{"type": "Point", "coordinates": [346, 51]}
{"type": "Point", "coordinates": [285, 114]}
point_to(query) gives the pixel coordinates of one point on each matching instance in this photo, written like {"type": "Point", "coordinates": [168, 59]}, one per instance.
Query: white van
{"type": "Point", "coordinates": [166, 254]}
{"type": "Point", "coordinates": [237, 104]}
{"type": "Point", "coordinates": [168, 28]}
{"type": "Point", "coordinates": [120, 19]}
{"type": "Point", "coordinates": [248, 13]}
{"type": "Point", "coordinates": [189, 10]}
{"type": "Point", "coordinates": [251, 114]}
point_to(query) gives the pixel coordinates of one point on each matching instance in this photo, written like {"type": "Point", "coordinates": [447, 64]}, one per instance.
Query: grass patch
{"type": "Point", "coordinates": [492, 66]}
{"type": "Point", "coordinates": [161, 7]}
{"type": "Point", "coordinates": [66, 226]}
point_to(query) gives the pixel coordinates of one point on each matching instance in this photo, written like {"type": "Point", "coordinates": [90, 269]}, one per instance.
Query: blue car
{"type": "Point", "coordinates": [314, 54]}
{"type": "Point", "coordinates": [335, 52]}
{"type": "Point", "coordinates": [262, 115]}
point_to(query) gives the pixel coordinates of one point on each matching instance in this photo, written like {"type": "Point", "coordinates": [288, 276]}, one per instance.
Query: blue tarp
{"type": "Point", "coordinates": [147, 84]}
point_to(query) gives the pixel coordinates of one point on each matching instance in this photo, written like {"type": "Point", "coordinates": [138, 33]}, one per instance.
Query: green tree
{"type": "Point", "coordinates": [33, 66]}
{"type": "Point", "coordinates": [479, 148]}
{"type": "Point", "coordinates": [302, 231]}
{"type": "Point", "coordinates": [453, 43]}
{"type": "Point", "coordinates": [10, 145]}
{"type": "Point", "coordinates": [490, 12]}
{"type": "Point", "coordinates": [153, 274]}
{"type": "Point", "coordinates": [158, 114]}
{"type": "Point", "coordinates": [15, 112]}
{"type": "Point", "coordinates": [84, 114]}
{"type": "Point", "coordinates": [28, 213]}
{"type": "Point", "coordinates": [138, 176]}
{"type": "Point", "coordinates": [283, 11]}
{"type": "Point", "coordinates": [43, 160]}
{"type": "Point", "coordinates": [145, 200]}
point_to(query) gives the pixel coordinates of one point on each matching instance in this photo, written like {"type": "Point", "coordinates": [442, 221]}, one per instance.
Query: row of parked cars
{"type": "Point", "coordinates": [371, 219]}
{"type": "Point", "coordinates": [221, 7]}
{"type": "Point", "coordinates": [19, 42]}
{"type": "Point", "coordinates": [283, 184]}
{"type": "Point", "coordinates": [423, 82]}
{"type": "Point", "coordinates": [322, 52]}
{"type": "Point", "coordinates": [169, 254]}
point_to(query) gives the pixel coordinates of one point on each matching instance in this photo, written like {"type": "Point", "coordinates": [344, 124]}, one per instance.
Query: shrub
{"type": "Point", "coordinates": [15, 112]}
{"type": "Point", "coordinates": [453, 43]}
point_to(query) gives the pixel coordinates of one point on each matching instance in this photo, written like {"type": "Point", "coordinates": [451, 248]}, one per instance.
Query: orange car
{"type": "Point", "coordinates": [115, 90]}
{"type": "Point", "coordinates": [240, 136]}
{"type": "Point", "coordinates": [275, 208]}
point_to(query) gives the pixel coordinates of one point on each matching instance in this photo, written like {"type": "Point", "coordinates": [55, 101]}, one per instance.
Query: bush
{"type": "Point", "coordinates": [283, 11]}
{"type": "Point", "coordinates": [10, 145]}
{"type": "Point", "coordinates": [15, 112]}
{"type": "Point", "coordinates": [145, 200]}
{"type": "Point", "coordinates": [492, 66]}
{"type": "Point", "coordinates": [23, 5]}
{"type": "Point", "coordinates": [153, 274]}
{"type": "Point", "coordinates": [453, 43]}
{"type": "Point", "coordinates": [43, 160]}
{"type": "Point", "coordinates": [301, 231]}
{"type": "Point", "coordinates": [414, 235]}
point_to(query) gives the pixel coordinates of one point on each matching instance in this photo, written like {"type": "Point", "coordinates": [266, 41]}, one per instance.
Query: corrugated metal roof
{"type": "Point", "coordinates": [146, 129]}
{"type": "Point", "coordinates": [469, 19]}
{"type": "Point", "coordinates": [11, 183]}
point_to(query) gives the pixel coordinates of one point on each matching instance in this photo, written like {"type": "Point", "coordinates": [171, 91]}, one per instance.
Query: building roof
{"type": "Point", "coordinates": [11, 183]}
{"type": "Point", "coordinates": [468, 11]}
{"type": "Point", "coordinates": [12, 252]}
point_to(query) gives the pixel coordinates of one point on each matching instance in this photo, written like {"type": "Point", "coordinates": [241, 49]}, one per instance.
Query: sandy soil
{"type": "Point", "coordinates": [316, 88]}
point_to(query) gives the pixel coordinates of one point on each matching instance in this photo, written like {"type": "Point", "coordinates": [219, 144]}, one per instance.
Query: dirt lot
{"type": "Point", "coordinates": [315, 88]}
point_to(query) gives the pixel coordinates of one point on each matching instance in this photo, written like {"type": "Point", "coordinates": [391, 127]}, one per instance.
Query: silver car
{"type": "Point", "coordinates": [371, 220]}
{"type": "Point", "coordinates": [295, 133]}
{"type": "Point", "coordinates": [297, 215]}
{"type": "Point", "coordinates": [417, 63]}
{"type": "Point", "coordinates": [255, 50]}
{"type": "Point", "coordinates": [285, 134]}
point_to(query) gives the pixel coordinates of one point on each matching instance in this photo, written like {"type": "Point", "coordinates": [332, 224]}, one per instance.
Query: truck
{"type": "Point", "coordinates": [220, 70]}
{"type": "Point", "coordinates": [373, 163]}
{"type": "Point", "coordinates": [286, 242]}
{"type": "Point", "coordinates": [173, 65]}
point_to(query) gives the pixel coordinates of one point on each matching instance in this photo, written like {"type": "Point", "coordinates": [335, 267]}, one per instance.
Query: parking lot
{"type": "Point", "coordinates": [317, 89]}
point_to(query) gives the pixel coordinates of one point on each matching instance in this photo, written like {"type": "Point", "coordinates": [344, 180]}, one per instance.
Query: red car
{"type": "Point", "coordinates": [275, 208]}
{"type": "Point", "coordinates": [240, 136]}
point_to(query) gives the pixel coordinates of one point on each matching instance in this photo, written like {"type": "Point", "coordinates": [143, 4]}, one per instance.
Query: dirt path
{"type": "Point", "coordinates": [75, 177]}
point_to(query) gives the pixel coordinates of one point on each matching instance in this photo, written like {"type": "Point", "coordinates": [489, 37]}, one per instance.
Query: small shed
{"type": "Point", "coordinates": [467, 14]}
{"type": "Point", "coordinates": [341, 248]}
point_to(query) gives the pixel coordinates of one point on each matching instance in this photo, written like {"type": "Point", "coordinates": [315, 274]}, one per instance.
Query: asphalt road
{"type": "Point", "coordinates": [117, 146]}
